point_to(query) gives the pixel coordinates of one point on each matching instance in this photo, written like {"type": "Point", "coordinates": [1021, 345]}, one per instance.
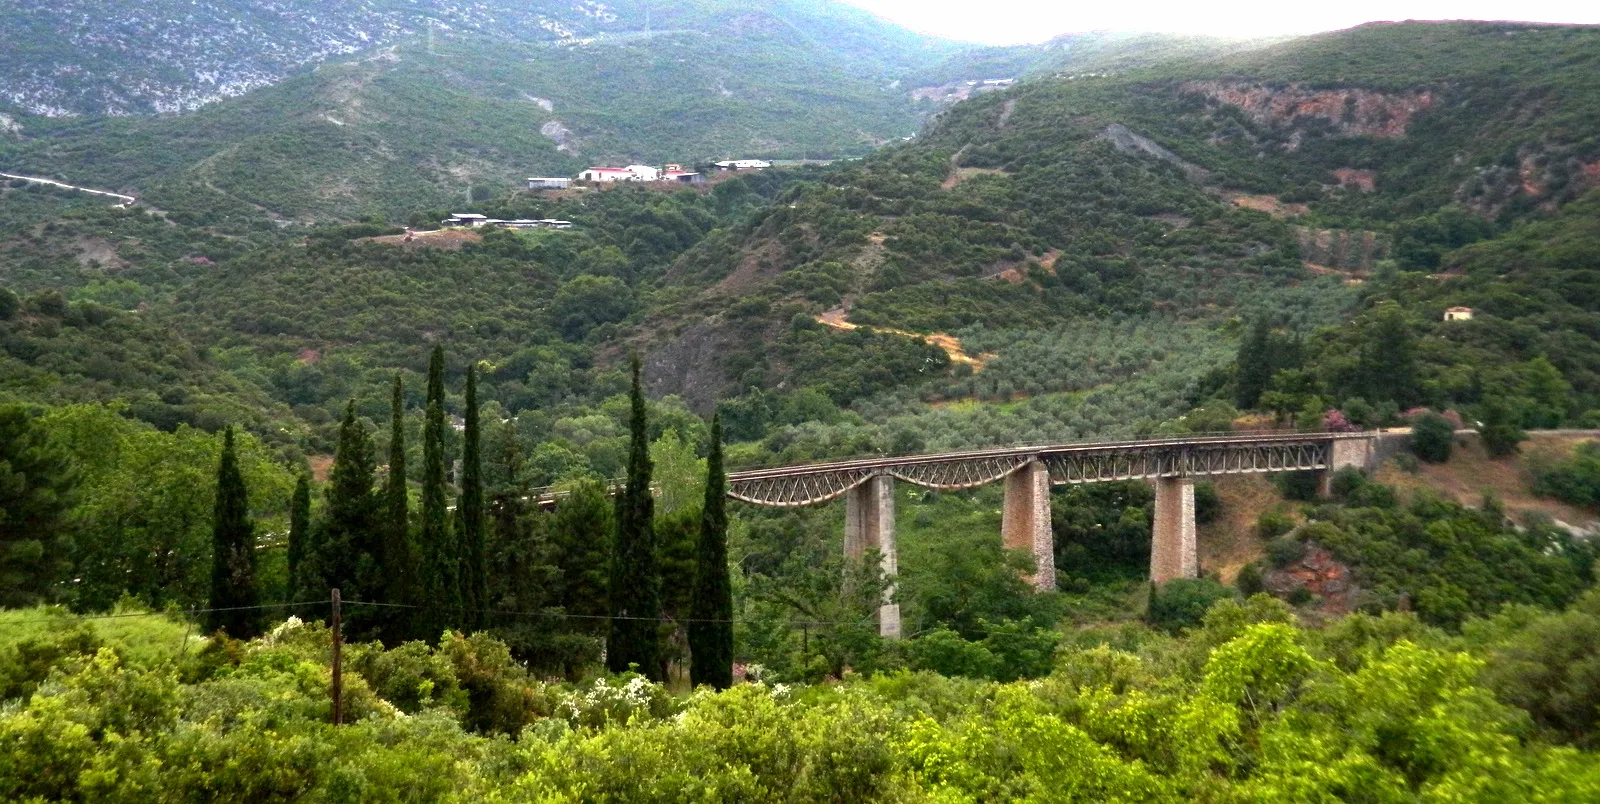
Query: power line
{"type": "Point", "coordinates": [565, 616]}
{"type": "Point", "coordinates": [168, 613]}
{"type": "Point", "coordinates": [554, 615]}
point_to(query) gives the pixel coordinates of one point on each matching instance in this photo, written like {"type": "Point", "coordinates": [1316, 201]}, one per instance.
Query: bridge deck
{"type": "Point", "coordinates": [1080, 462]}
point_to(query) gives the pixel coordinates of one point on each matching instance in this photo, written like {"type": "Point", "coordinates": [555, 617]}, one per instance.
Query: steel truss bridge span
{"type": "Point", "coordinates": [812, 484]}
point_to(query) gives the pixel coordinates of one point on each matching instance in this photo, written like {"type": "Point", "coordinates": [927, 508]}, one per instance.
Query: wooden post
{"type": "Point", "coordinates": [337, 687]}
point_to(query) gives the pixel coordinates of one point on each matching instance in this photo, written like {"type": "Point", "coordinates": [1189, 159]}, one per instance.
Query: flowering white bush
{"type": "Point", "coordinates": [606, 702]}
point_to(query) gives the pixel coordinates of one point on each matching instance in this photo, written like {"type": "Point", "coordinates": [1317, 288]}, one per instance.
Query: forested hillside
{"type": "Point", "coordinates": [276, 375]}
{"type": "Point", "coordinates": [361, 109]}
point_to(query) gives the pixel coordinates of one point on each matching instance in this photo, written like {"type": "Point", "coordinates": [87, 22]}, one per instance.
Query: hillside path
{"type": "Point", "coordinates": [126, 199]}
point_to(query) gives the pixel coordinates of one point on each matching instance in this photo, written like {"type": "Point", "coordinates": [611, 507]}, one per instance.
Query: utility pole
{"type": "Point", "coordinates": [337, 687]}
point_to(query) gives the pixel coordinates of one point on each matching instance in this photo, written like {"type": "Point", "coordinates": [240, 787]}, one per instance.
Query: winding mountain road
{"type": "Point", "coordinates": [127, 200]}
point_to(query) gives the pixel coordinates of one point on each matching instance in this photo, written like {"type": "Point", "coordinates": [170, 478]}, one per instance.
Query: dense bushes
{"type": "Point", "coordinates": [1239, 707]}
{"type": "Point", "coordinates": [1575, 480]}
{"type": "Point", "coordinates": [1432, 437]}
{"type": "Point", "coordinates": [1451, 561]}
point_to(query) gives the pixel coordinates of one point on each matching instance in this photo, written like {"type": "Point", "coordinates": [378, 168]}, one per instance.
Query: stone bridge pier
{"type": "Point", "coordinates": [869, 525]}
{"type": "Point", "coordinates": [1174, 548]}
{"type": "Point", "coordinates": [1170, 464]}
{"type": "Point", "coordinates": [1025, 523]}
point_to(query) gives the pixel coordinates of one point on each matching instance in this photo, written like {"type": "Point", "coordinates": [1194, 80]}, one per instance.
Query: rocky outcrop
{"type": "Point", "coordinates": [1128, 141]}
{"type": "Point", "coordinates": [689, 365]}
{"type": "Point", "coordinates": [566, 141]}
{"type": "Point", "coordinates": [1350, 111]}
{"type": "Point", "coordinates": [1319, 573]}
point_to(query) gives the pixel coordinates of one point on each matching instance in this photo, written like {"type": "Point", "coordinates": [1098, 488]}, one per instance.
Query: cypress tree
{"type": "Point", "coordinates": [233, 553]}
{"type": "Point", "coordinates": [711, 612]}
{"type": "Point", "coordinates": [635, 583]}
{"type": "Point", "coordinates": [352, 540]}
{"type": "Point", "coordinates": [299, 532]}
{"type": "Point", "coordinates": [400, 557]}
{"type": "Point", "coordinates": [473, 592]}
{"type": "Point", "coordinates": [1254, 365]}
{"type": "Point", "coordinates": [441, 590]}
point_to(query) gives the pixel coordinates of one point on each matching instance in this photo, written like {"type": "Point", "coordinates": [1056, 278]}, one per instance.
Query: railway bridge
{"type": "Point", "coordinates": [1171, 464]}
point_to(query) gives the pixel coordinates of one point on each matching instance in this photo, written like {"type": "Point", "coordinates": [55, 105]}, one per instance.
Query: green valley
{"type": "Point", "coordinates": [516, 452]}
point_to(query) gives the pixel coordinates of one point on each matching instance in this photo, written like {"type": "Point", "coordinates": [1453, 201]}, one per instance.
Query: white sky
{"type": "Point", "coordinates": [1003, 22]}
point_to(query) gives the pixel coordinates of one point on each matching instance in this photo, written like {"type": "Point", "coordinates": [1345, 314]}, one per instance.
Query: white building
{"type": "Point", "coordinates": [629, 173]}
{"type": "Point", "coordinates": [682, 176]}
{"type": "Point", "coordinates": [1458, 314]}
{"type": "Point", "coordinates": [465, 219]}
{"type": "Point", "coordinates": [743, 164]}
{"type": "Point", "coordinates": [604, 174]}
{"type": "Point", "coordinates": [549, 183]}
{"type": "Point", "coordinates": [644, 172]}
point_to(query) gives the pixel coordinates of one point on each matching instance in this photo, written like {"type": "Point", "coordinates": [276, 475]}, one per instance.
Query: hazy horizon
{"type": "Point", "coordinates": [1006, 22]}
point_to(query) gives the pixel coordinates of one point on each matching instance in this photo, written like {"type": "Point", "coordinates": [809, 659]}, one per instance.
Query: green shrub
{"type": "Point", "coordinates": [1432, 437]}
{"type": "Point", "coordinates": [945, 652]}
{"type": "Point", "coordinates": [1285, 550]}
{"type": "Point", "coordinates": [1182, 603]}
{"type": "Point", "coordinates": [1346, 482]}
{"type": "Point", "coordinates": [1303, 486]}
{"type": "Point", "coordinates": [1250, 580]}
{"type": "Point", "coordinates": [1207, 503]}
{"type": "Point", "coordinates": [1273, 523]}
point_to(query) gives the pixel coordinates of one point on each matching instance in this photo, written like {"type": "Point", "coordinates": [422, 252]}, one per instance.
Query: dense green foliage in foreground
{"type": "Point", "coordinates": [1246, 707]}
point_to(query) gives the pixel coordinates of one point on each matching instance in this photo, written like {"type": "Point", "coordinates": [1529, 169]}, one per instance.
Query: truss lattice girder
{"type": "Point", "coordinates": [811, 485]}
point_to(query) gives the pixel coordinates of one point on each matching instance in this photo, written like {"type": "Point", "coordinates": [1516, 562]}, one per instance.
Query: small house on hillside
{"type": "Point", "coordinates": [629, 173]}
{"type": "Point", "coordinates": [605, 174]}
{"type": "Point", "coordinates": [1458, 314]}
{"type": "Point", "coordinates": [465, 219]}
{"type": "Point", "coordinates": [681, 176]}
{"type": "Point", "coordinates": [644, 172]}
{"type": "Point", "coordinates": [549, 183]}
{"type": "Point", "coordinates": [743, 164]}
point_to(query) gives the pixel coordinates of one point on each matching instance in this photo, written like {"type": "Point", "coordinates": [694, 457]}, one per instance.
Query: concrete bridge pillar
{"type": "Point", "coordinates": [869, 524]}
{"type": "Point", "coordinates": [1345, 453]}
{"type": "Point", "coordinates": [1025, 525]}
{"type": "Point", "coordinates": [1173, 549]}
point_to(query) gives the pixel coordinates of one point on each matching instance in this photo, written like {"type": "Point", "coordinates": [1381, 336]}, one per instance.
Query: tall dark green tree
{"type": "Point", "coordinates": [1498, 428]}
{"type": "Point", "coordinates": [37, 485]}
{"type": "Point", "coordinates": [635, 637]}
{"type": "Point", "coordinates": [711, 612]}
{"type": "Point", "coordinates": [233, 553]}
{"type": "Point", "coordinates": [1387, 363]}
{"type": "Point", "coordinates": [1255, 365]}
{"type": "Point", "coordinates": [441, 586]}
{"type": "Point", "coordinates": [400, 553]}
{"type": "Point", "coordinates": [473, 592]}
{"type": "Point", "coordinates": [352, 535]}
{"type": "Point", "coordinates": [299, 533]}
{"type": "Point", "coordinates": [583, 526]}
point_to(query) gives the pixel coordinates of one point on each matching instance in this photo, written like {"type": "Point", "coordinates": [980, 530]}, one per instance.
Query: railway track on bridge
{"type": "Point", "coordinates": [1171, 464]}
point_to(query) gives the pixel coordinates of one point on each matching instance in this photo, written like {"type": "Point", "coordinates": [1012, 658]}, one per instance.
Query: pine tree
{"type": "Point", "coordinates": [441, 588]}
{"type": "Point", "coordinates": [1254, 365]}
{"type": "Point", "coordinates": [233, 553]}
{"type": "Point", "coordinates": [299, 532]}
{"type": "Point", "coordinates": [400, 555]}
{"type": "Point", "coordinates": [711, 613]}
{"type": "Point", "coordinates": [473, 593]}
{"type": "Point", "coordinates": [635, 583]}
